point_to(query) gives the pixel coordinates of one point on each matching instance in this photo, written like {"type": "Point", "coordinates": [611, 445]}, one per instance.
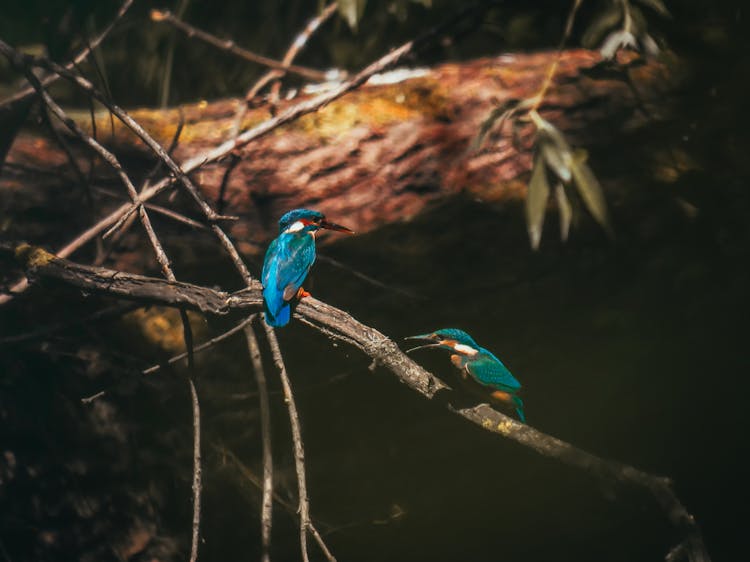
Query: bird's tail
{"type": "Point", "coordinates": [518, 403]}
{"type": "Point", "coordinates": [281, 318]}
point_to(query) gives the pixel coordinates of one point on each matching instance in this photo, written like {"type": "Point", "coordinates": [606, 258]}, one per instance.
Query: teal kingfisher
{"type": "Point", "coordinates": [477, 362]}
{"type": "Point", "coordinates": [288, 260]}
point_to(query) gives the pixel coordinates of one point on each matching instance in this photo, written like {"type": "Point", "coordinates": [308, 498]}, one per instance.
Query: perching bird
{"type": "Point", "coordinates": [481, 364]}
{"type": "Point", "coordinates": [288, 260]}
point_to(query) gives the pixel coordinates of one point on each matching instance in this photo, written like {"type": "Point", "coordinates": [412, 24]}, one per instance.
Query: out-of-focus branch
{"type": "Point", "coordinates": [229, 46]}
{"type": "Point", "coordinates": [78, 59]}
{"type": "Point", "coordinates": [291, 114]}
{"type": "Point", "coordinates": [340, 325]}
{"type": "Point", "coordinates": [166, 268]}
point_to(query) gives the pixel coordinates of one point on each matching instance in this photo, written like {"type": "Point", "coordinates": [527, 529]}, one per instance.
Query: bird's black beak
{"type": "Point", "coordinates": [433, 338]}
{"type": "Point", "coordinates": [335, 227]}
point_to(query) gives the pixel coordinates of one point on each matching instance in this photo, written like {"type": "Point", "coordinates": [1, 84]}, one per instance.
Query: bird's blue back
{"type": "Point", "coordinates": [490, 371]}
{"type": "Point", "coordinates": [287, 262]}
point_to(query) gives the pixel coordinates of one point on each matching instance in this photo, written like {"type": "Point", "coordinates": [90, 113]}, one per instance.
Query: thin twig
{"type": "Point", "coordinates": [197, 472]}
{"type": "Point", "coordinates": [112, 160]}
{"type": "Point", "coordinates": [306, 524]}
{"type": "Point", "coordinates": [274, 75]}
{"type": "Point", "coordinates": [229, 46]}
{"type": "Point", "coordinates": [85, 184]}
{"type": "Point", "coordinates": [172, 147]}
{"type": "Point", "coordinates": [552, 70]}
{"type": "Point", "coordinates": [291, 114]}
{"type": "Point", "coordinates": [78, 59]}
{"type": "Point", "coordinates": [202, 347]}
{"type": "Point", "coordinates": [50, 329]}
{"type": "Point", "coordinates": [90, 399]}
{"type": "Point", "coordinates": [23, 62]}
{"type": "Point", "coordinates": [255, 480]}
{"type": "Point", "coordinates": [265, 427]}
{"type": "Point", "coordinates": [299, 43]}
{"type": "Point", "coordinates": [366, 278]}
{"type": "Point", "coordinates": [163, 260]}
{"type": "Point", "coordinates": [167, 79]}
{"type": "Point", "coordinates": [299, 449]}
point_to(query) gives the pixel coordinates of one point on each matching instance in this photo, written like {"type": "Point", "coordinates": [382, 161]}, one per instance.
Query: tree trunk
{"type": "Point", "coordinates": [383, 152]}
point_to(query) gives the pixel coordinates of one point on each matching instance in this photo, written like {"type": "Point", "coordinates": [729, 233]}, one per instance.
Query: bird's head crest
{"type": "Point", "coordinates": [308, 221]}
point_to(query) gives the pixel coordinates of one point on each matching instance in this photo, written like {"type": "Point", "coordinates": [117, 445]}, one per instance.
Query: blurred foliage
{"type": "Point", "coordinates": [569, 168]}
{"type": "Point", "coordinates": [134, 56]}
{"type": "Point", "coordinates": [622, 24]}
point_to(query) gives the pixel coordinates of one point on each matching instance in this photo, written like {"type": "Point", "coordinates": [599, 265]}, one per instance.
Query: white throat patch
{"type": "Point", "coordinates": [465, 349]}
{"type": "Point", "coordinates": [296, 226]}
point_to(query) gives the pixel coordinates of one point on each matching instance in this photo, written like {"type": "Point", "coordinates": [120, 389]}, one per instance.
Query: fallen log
{"type": "Point", "coordinates": [385, 151]}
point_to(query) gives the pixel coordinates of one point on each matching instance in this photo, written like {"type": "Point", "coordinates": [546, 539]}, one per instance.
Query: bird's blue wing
{"type": "Point", "coordinates": [287, 262]}
{"type": "Point", "coordinates": [490, 371]}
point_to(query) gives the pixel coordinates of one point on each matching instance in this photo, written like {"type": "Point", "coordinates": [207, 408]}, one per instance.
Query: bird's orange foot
{"type": "Point", "coordinates": [301, 293]}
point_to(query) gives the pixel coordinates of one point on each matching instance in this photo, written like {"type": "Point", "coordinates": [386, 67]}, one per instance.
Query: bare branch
{"type": "Point", "coordinates": [78, 59]}
{"type": "Point", "coordinates": [385, 352]}
{"type": "Point", "coordinates": [202, 347]}
{"type": "Point", "coordinates": [229, 46]}
{"type": "Point", "coordinates": [291, 114]}
{"type": "Point", "coordinates": [265, 427]}
{"type": "Point", "coordinates": [197, 472]}
{"type": "Point", "coordinates": [299, 449]}
{"type": "Point", "coordinates": [23, 62]}
{"type": "Point", "coordinates": [163, 260]}
{"type": "Point", "coordinates": [110, 158]}
{"type": "Point", "coordinates": [274, 75]}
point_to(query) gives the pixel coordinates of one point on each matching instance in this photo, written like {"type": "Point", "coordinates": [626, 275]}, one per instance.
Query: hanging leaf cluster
{"type": "Point", "coordinates": [555, 160]}
{"type": "Point", "coordinates": [623, 25]}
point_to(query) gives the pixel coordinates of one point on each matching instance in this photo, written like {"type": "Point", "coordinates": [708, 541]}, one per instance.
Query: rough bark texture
{"type": "Point", "coordinates": [340, 325]}
{"type": "Point", "coordinates": [383, 152]}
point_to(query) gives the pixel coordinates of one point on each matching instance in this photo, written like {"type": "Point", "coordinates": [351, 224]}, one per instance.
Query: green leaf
{"type": "Point", "coordinates": [566, 211]}
{"type": "Point", "coordinates": [536, 202]}
{"type": "Point", "coordinates": [351, 11]}
{"type": "Point", "coordinates": [591, 193]}
{"type": "Point", "coordinates": [657, 6]}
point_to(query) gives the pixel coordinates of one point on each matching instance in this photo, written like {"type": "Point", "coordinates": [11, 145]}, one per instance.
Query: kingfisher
{"type": "Point", "coordinates": [288, 261]}
{"type": "Point", "coordinates": [477, 362]}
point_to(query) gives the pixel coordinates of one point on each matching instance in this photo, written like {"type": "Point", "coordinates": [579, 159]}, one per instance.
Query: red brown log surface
{"type": "Point", "coordinates": [382, 153]}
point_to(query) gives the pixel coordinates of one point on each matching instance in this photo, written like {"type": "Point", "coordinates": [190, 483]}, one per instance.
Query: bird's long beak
{"type": "Point", "coordinates": [428, 337]}
{"type": "Point", "coordinates": [336, 227]}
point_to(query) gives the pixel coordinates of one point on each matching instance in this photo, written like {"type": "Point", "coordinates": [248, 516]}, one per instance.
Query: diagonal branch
{"type": "Point", "coordinates": [265, 427]}
{"type": "Point", "coordinates": [262, 129]}
{"type": "Point", "coordinates": [231, 47]}
{"type": "Point", "coordinates": [299, 449]}
{"type": "Point", "coordinates": [78, 59]}
{"type": "Point", "coordinates": [339, 324]}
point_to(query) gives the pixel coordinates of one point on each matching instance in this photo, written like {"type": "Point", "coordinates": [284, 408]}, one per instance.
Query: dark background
{"type": "Point", "coordinates": [635, 350]}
